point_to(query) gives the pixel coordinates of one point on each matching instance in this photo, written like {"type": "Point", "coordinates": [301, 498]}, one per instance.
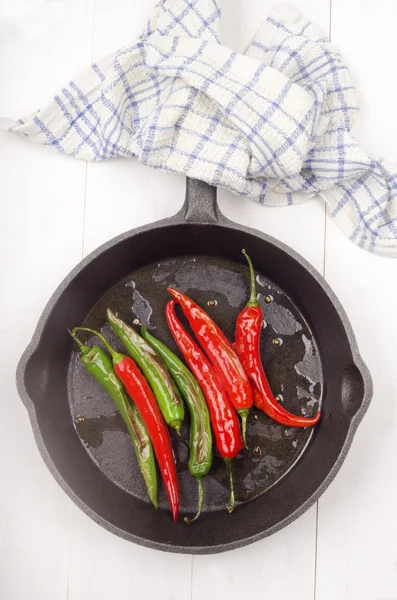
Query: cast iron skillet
{"type": "Point", "coordinates": [308, 348]}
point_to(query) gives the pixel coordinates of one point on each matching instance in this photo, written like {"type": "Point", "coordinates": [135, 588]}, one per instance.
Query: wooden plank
{"type": "Point", "coordinates": [42, 199]}
{"type": "Point", "coordinates": [122, 194]}
{"type": "Point", "coordinates": [357, 553]}
{"type": "Point", "coordinates": [260, 570]}
{"type": "Point", "coordinates": [273, 568]}
{"type": "Point", "coordinates": [103, 567]}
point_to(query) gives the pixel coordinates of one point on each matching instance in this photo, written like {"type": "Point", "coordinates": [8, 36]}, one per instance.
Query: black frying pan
{"type": "Point", "coordinates": [314, 362]}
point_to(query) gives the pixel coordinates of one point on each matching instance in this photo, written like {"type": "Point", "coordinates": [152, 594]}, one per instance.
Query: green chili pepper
{"type": "Point", "coordinates": [200, 425]}
{"type": "Point", "coordinates": [98, 364]}
{"type": "Point", "coordinates": [154, 369]}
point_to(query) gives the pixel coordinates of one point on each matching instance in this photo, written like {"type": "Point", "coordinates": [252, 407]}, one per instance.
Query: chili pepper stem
{"type": "Point", "coordinates": [177, 426]}
{"type": "Point", "coordinates": [229, 465]}
{"type": "Point", "coordinates": [253, 301]}
{"type": "Point", "coordinates": [244, 412]}
{"type": "Point", "coordinates": [116, 356]}
{"type": "Point", "coordinates": [200, 502]}
{"type": "Point", "coordinates": [83, 348]}
{"type": "Point", "coordinates": [182, 439]}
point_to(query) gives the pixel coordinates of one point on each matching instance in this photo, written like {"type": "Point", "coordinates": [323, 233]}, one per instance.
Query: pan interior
{"type": "Point", "coordinates": [289, 353]}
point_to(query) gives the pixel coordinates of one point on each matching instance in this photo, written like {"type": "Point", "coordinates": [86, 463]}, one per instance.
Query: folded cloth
{"type": "Point", "coordinates": [273, 124]}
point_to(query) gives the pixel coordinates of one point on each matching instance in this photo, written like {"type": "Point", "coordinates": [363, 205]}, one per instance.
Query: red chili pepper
{"type": "Point", "coordinates": [222, 355]}
{"type": "Point", "coordinates": [248, 331]}
{"type": "Point", "coordinates": [143, 397]}
{"type": "Point", "coordinates": [224, 420]}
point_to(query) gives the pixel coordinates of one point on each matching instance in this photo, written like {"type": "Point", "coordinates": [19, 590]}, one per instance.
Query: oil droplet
{"type": "Point", "coordinates": [280, 398]}
{"type": "Point", "coordinates": [80, 419]}
{"type": "Point", "coordinates": [289, 432]}
{"type": "Point", "coordinates": [257, 451]}
{"type": "Point", "coordinates": [136, 322]}
{"type": "Point", "coordinates": [277, 341]}
{"type": "Point", "coordinates": [256, 417]}
{"type": "Point", "coordinates": [269, 299]}
{"type": "Point", "coordinates": [264, 324]}
{"type": "Point", "coordinates": [212, 303]}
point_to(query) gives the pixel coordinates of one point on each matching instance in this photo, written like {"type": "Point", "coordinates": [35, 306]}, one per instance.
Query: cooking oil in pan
{"type": "Point", "coordinates": [289, 354]}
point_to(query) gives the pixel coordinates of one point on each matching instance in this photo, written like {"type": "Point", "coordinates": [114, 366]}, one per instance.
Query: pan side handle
{"type": "Point", "coordinates": [32, 378]}
{"type": "Point", "coordinates": [356, 390]}
{"type": "Point", "coordinates": [201, 204]}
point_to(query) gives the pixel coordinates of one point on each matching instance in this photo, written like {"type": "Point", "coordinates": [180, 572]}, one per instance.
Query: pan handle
{"type": "Point", "coordinates": [356, 390]}
{"type": "Point", "coordinates": [200, 205]}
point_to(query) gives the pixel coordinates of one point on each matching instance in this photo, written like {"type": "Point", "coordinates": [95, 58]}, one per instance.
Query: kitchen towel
{"type": "Point", "coordinates": [273, 124]}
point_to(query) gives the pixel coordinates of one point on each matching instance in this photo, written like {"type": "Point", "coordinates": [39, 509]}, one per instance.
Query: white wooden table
{"type": "Point", "coordinates": [55, 210]}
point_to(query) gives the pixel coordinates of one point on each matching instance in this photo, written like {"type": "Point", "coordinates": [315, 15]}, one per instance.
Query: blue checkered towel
{"type": "Point", "coordinates": [273, 124]}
